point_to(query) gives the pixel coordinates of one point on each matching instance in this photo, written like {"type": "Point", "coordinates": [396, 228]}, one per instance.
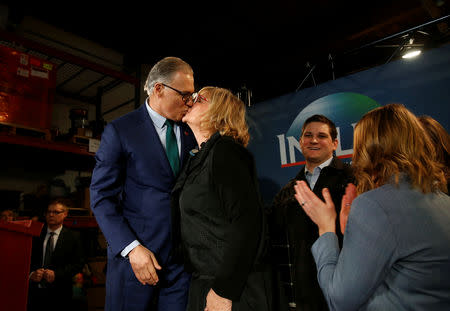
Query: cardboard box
{"type": "Point", "coordinates": [27, 86]}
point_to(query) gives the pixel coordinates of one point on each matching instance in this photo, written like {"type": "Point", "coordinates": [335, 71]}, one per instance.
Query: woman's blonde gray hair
{"type": "Point", "coordinates": [226, 114]}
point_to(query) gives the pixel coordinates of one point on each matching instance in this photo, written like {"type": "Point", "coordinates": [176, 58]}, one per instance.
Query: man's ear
{"type": "Point", "coordinates": [335, 144]}
{"type": "Point", "coordinates": [157, 89]}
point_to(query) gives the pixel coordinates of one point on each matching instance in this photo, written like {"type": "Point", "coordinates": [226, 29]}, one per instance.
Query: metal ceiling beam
{"type": "Point", "coordinates": [118, 106]}
{"type": "Point", "coordinates": [91, 84]}
{"type": "Point", "coordinates": [399, 34]}
{"type": "Point", "coordinates": [77, 74]}
{"type": "Point", "coordinates": [374, 43]}
{"type": "Point", "coordinates": [85, 99]}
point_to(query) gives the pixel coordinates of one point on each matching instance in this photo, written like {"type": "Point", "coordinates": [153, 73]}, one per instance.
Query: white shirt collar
{"type": "Point", "coordinates": [157, 119]}
{"type": "Point", "coordinates": [57, 231]}
{"type": "Point", "coordinates": [321, 166]}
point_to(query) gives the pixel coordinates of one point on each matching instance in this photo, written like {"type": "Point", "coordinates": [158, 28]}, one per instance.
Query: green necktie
{"type": "Point", "coordinates": [172, 147]}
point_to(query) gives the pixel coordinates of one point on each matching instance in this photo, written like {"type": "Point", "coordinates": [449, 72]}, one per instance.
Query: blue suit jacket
{"type": "Point", "coordinates": [130, 190]}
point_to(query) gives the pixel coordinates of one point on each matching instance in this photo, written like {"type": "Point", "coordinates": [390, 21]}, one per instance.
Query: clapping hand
{"type": "Point", "coordinates": [323, 214]}
{"type": "Point", "coordinates": [347, 199]}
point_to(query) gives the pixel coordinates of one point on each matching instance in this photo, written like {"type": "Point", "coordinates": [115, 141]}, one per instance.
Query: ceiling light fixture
{"type": "Point", "coordinates": [411, 53]}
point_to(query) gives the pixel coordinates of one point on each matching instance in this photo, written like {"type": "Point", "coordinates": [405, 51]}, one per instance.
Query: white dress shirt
{"type": "Point", "coordinates": [55, 239]}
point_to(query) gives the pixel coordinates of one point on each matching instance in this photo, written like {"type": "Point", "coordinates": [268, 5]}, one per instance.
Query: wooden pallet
{"type": "Point", "coordinates": [21, 130]}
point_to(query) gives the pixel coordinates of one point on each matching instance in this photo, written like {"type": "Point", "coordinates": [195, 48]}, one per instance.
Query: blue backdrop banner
{"type": "Point", "coordinates": [421, 84]}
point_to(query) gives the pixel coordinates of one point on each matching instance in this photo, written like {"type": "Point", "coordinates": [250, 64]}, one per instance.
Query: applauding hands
{"type": "Point", "coordinates": [347, 199]}
{"type": "Point", "coordinates": [323, 214]}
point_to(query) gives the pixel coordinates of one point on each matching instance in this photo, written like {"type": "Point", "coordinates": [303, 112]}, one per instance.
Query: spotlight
{"type": "Point", "coordinates": [411, 53]}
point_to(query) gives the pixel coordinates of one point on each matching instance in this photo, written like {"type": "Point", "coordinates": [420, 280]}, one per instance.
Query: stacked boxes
{"type": "Point", "coordinates": [27, 87]}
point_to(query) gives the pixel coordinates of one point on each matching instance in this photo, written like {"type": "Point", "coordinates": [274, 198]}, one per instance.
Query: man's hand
{"type": "Point", "coordinates": [144, 263]}
{"type": "Point", "coordinates": [49, 275]}
{"type": "Point", "coordinates": [36, 276]}
{"type": "Point", "coordinates": [216, 303]}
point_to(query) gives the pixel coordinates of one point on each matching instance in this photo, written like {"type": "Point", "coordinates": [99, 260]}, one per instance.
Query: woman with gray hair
{"type": "Point", "coordinates": [223, 228]}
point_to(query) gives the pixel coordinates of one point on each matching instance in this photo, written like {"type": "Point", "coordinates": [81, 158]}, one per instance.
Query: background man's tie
{"type": "Point", "coordinates": [172, 147]}
{"type": "Point", "coordinates": [49, 250]}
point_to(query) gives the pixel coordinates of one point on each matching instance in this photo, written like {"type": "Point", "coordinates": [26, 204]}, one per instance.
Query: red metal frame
{"type": "Point", "coordinates": [9, 36]}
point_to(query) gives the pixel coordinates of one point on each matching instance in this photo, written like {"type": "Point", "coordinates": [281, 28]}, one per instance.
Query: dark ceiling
{"type": "Point", "coordinates": [269, 47]}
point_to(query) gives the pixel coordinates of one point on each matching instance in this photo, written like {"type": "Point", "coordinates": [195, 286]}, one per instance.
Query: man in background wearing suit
{"type": "Point", "coordinates": [56, 256]}
{"type": "Point", "coordinates": [137, 164]}
{"type": "Point", "coordinates": [292, 229]}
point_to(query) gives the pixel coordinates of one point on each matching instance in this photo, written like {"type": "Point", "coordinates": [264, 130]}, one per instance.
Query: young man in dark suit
{"type": "Point", "coordinates": [57, 255]}
{"type": "Point", "coordinates": [292, 230]}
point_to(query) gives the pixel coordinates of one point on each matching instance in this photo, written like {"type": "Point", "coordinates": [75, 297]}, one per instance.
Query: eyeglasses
{"type": "Point", "coordinates": [196, 97]}
{"type": "Point", "coordinates": [186, 97]}
{"type": "Point", "coordinates": [54, 212]}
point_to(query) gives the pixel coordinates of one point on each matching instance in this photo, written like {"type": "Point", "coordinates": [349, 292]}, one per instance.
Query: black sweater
{"type": "Point", "coordinates": [220, 212]}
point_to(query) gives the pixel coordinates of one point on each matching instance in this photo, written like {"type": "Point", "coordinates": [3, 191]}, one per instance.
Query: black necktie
{"type": "Point", "coordinates": [49, 249]}
{"type": "Point", "coordinates": [172, 147]}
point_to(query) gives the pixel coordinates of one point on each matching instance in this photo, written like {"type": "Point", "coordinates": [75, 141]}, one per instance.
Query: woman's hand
{"type": "Point", "coordinates": [321, 213]}
{"type": "Point", "coordinates": [216, 303]}
{"type": "Point", "coordinates": [347, 199]}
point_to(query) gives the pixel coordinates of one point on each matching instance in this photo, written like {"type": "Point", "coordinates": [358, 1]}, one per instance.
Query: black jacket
{"type": "Point", "coordinates": [222, 219]}
{"type": "Point", "coordinates": [293, 233]}
{"type": "Point", "coordinates": [67, 260]}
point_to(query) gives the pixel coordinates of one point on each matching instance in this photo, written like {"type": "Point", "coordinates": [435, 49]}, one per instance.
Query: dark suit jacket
{"type": "Point", "coordinates": [130, 194]}
{"type": "Point", "coordinates": [67, 260]}
{"type": "Point", "coordinates": [290, 221]}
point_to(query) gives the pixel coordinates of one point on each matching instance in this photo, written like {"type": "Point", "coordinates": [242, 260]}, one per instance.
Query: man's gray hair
{"type": "Point", "coordinates": [164, 70]}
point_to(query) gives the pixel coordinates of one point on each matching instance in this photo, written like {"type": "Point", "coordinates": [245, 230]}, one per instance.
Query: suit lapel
{"type": "Point", "coordinates": [151, 139]}
{"type": "Point", "coordinates": [60, 241]}
{"type": "Point", "coordinates": [328, 175]}
{"type": "Point", "coordinates": [40, 248]}
{"type": "Point", "coordinates": [187, 138]}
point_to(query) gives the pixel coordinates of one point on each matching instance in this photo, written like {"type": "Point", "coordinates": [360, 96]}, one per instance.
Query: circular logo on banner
{"type": "Point", "coordinates": [344, 109]}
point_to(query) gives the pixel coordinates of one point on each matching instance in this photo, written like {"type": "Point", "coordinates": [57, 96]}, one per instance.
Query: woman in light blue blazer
{"type": "Point", "coordinates": [396, 250]}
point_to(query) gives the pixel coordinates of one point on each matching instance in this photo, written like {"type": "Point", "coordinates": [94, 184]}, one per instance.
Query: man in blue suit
{"type": "Point", "coordinates": [136, 168]}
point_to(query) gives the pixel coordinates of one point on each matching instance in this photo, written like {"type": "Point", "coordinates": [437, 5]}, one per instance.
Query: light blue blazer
{"type": "Point", "coordinates": [395, 255]}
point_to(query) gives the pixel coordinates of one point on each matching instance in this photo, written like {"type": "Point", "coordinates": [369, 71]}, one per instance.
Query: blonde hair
{"type": "Point", "coordinates": [389, 141]}
{"type": "Point", "coordinates": [226, 114]}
